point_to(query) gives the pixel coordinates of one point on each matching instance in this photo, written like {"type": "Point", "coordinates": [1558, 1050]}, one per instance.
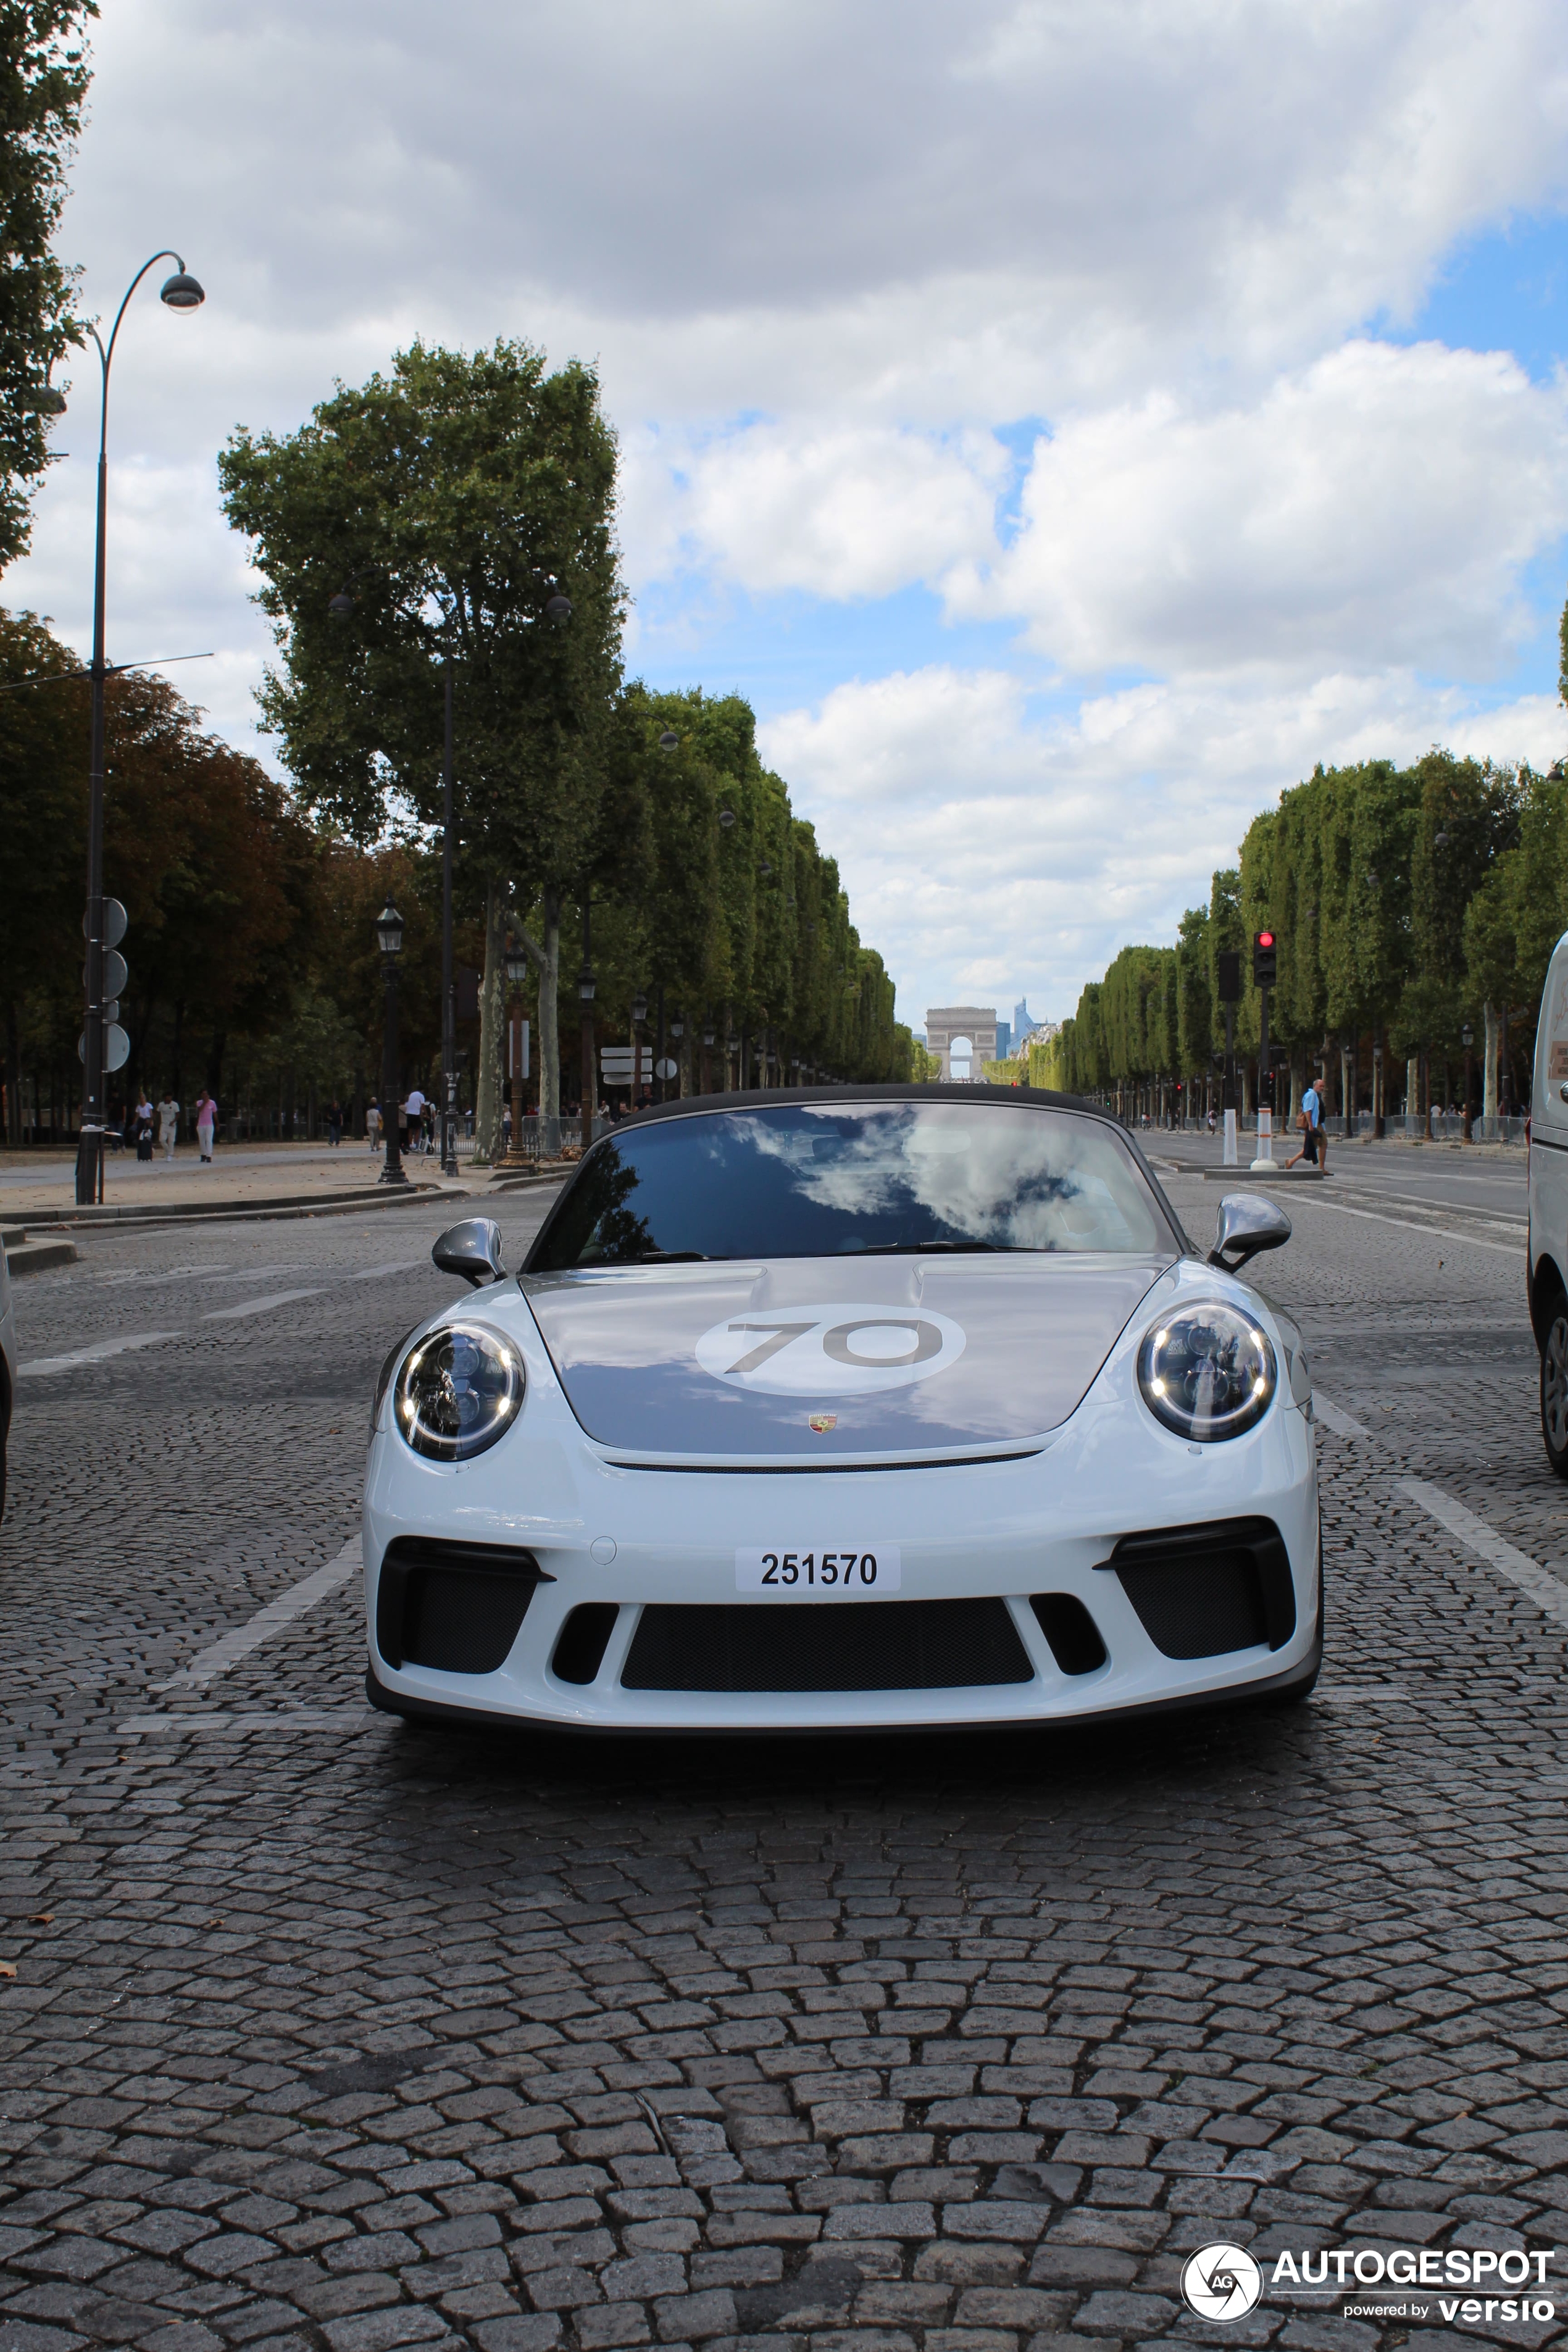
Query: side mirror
{"type": "Point", "coordinates": [473, 1250]}
{"type": "Point", "coordinates": [1246, 1223]}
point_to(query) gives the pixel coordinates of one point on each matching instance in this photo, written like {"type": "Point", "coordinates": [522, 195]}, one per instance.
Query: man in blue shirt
{"type": "Point", "coordinates": [1313, 1141]}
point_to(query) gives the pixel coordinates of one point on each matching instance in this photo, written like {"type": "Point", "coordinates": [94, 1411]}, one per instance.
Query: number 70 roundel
{"type": "Point", "coordinates": [842, 1347]}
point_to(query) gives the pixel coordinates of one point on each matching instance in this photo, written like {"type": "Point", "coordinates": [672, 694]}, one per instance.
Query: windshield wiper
{"type": "Point", "coordinates": [904, 1249]}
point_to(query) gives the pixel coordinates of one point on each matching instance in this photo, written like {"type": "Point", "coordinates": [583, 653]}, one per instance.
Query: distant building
{"type": "Point", "coordinates": [967, 1032]}
{"type": "Point", "coordinates": [1022, 1020]}
{"type": "Point", "coordinates": [1004, 1040]}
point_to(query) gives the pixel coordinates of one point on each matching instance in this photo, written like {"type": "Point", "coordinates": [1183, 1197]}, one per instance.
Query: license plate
{"type": "Point", "coordinates": [819, 1575]}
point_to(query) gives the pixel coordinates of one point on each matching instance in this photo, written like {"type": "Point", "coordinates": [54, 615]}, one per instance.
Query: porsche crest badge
{"type": "Point", "coordinates": [822, 1421]}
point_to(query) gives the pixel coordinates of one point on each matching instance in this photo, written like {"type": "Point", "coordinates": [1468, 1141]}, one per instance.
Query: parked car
{"type": "Point", "coordinates": [826, 1408]}
{"type": "Point", "coordinates": [1547, 1147]}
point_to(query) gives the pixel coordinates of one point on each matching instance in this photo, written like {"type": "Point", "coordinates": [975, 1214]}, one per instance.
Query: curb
{"type": "Point", "coordinates": [1278, 1174]}
{"type": "Point", "coordinates": [36, 1257]}
{"type": "Point", "coordinates": [153, 1219]}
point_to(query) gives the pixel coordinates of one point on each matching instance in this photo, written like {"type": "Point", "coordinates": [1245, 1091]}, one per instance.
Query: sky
{"type": "Point", "coordinates": [1065, 423]}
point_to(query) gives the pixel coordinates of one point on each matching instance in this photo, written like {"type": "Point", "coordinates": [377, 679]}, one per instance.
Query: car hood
{"type": "Point", "coordinates": [818, 1359]}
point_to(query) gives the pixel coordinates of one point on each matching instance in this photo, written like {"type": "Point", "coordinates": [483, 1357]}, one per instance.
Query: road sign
{"type": "Point", "coordinates": [666, 1068]}
{"type": "Point", "coordinates": [617, 1067]}
{"type": "Point", "coordinates": [116, 973]}
{"type": "Point", "coordinates": [116, 1046]}
{"type": "Point", "coordinates": [115, 922]}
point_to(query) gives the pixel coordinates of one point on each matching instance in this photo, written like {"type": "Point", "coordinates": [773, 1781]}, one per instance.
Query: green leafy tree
{"type": "Point", "coordinates": [44, 75]}
{"type": "Point", "coordinates": [455, 501]}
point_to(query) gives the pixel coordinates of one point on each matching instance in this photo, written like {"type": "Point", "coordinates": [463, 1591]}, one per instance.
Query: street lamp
{"type": "Point", "coordinates": [180, 292]}
{"type": "Point", "coordinates": [1468, 1039]}
{"type": "Point", "coordinates": [515, 962]}
{"type": "Point", "coordinates": [389, 939]}
{"type": "Point", "coordinates": [587, 986]}
{"type": "Point", "coordinates": [669, 740]}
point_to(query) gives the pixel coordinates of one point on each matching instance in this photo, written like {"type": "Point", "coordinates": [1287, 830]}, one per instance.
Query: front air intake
{"type": "Point", "coordinates": [827, 1646]}
{"type": "Point", "coordinates": [1206, 1592]}
{"type": "Point", "coordinates": [454, 1607]}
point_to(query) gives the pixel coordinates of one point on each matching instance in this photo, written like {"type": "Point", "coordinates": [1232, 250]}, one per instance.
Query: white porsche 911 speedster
{"type": "Point", "coordinates": [845, 1408]}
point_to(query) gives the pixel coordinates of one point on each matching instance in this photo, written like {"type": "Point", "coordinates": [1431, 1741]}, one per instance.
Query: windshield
{"type": "Point", "coordinates": [836, 1179]}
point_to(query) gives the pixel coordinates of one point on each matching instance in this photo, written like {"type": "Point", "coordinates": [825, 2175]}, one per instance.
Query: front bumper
{"type": "Point", "coordinates": [613, 1540]}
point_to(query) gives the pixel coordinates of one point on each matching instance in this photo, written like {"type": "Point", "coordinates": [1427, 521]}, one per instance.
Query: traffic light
{"type": "Point", "coordinates": [1263, 960]}
{"type": "Point", "coordinates": [1227, 969]}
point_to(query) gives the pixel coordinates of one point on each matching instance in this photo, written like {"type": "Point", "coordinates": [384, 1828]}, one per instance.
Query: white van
{"type": "Point", "coordinates": [1549, 1207]}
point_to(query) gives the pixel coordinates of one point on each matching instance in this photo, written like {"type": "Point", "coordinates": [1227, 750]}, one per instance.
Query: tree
{"type": "Point", "coordinates": [44, 75]}
{"type": "Point", "coordinates": [455, 501]}
{"type": "Point", "coordinates": [43, 794]}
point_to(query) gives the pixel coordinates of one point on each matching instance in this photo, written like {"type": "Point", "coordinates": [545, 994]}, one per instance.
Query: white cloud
{"type": "Point", "coordinates": [1030, 847]}
{"type": "Point", "coordinates": [825, 254]}
{"type": "Point", "coordinates": [1377, 507]}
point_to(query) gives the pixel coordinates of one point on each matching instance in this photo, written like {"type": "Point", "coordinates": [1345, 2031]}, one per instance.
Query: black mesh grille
{"type": "Point", "coordinates": [827, 1646]}
{"type": "Point", "coordinates": [1071, 1631]}
{"type": "Point", "coordinates": [455, 1607]}
{"type": "Point", "coordinates": [1204, 1591]}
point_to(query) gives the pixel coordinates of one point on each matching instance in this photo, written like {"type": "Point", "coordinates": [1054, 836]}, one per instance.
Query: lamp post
{"type": "Point", "coordinates": [1468, 1039]}
{"type": "Point", "coordinates": [639, 1015]}
{"type": "Point", "coordinates": [677, 1032]}
{"type": "Point", "coordinates": [180, 292]}
{"type": "Point", "coordinates": [389, 937]}
{"type": "Point", "coordinates": [586, 985]}
{"type": "Point", "coordinates": [516, 962]}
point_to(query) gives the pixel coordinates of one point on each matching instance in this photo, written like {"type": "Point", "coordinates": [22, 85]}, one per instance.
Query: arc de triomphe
{"type": "Point", "coordinates": [975, 1022]}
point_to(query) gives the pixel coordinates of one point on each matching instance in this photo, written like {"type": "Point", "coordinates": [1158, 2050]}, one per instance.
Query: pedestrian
{"type": "Point", "coordinates": [334, 1121]}
{"type": "Point", "coordinates": [373, 1123]}
{"type": "Point", "coordinates": [414, 1118]}
{"type": "Point", "coordinates": [168, 1125]}
{"type": "Point", "coordinates": [141, 1124]}
{"type": "Point", "coordinates": [206, 1119]}
{"type": "Point", "coordinates": [1309, 1120]}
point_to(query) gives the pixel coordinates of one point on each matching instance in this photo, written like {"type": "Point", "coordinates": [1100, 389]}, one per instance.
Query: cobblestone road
{"type": "Point", "coordinates": [327, 2031]}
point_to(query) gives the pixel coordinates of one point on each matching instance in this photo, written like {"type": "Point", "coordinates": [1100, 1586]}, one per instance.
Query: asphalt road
{"type": "Point", "coordinates": [329, 2032]}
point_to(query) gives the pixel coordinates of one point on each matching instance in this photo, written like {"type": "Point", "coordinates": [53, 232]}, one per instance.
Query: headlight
{"type": "Point", "coordinates": [460, 1390]}
{"type": "Point", "coordinates": [1207, 1373]}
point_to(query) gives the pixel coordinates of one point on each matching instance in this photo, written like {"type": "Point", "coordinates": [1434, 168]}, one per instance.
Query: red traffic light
{"type": "Point", "coordinates": [1266, 939]}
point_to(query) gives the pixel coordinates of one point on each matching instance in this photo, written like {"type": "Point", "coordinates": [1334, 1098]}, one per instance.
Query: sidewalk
{"type": "Point", "coordinates": [36, 1186]}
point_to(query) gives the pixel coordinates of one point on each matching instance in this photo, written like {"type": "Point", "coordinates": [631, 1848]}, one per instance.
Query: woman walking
{"type": "Point", "coordinates": [206, 1119]}
{"type": "Point", "coordinates": [168, 1125]}
{"type": "Point", "coordinates": [141, 1124]}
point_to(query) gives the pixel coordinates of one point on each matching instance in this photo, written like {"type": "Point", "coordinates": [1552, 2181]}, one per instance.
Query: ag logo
{"type": "Point", "coordinates": [1221, 2283]}
{"type": "Point", "coordinates": [841, 1349]}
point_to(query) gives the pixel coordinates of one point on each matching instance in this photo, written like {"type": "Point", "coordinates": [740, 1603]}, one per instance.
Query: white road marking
{"type": "Point", "coordinates": [1548, 1591]}
{"type": "Point", "coordinates": [98, 1352]}
{"type": "Point", "coordinates": [1433, 1233]}
{"type": "Point", "coordinates": [404, 1266]}
{"type": "Point", "coordinates": [1334, 1417]}
{"type": "Point", "coordinates": [170, 1273]}
{"type": "Point", "coordinates": [228, 1649]}
{"type": "Point", "coordinates": [259, 1306]}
